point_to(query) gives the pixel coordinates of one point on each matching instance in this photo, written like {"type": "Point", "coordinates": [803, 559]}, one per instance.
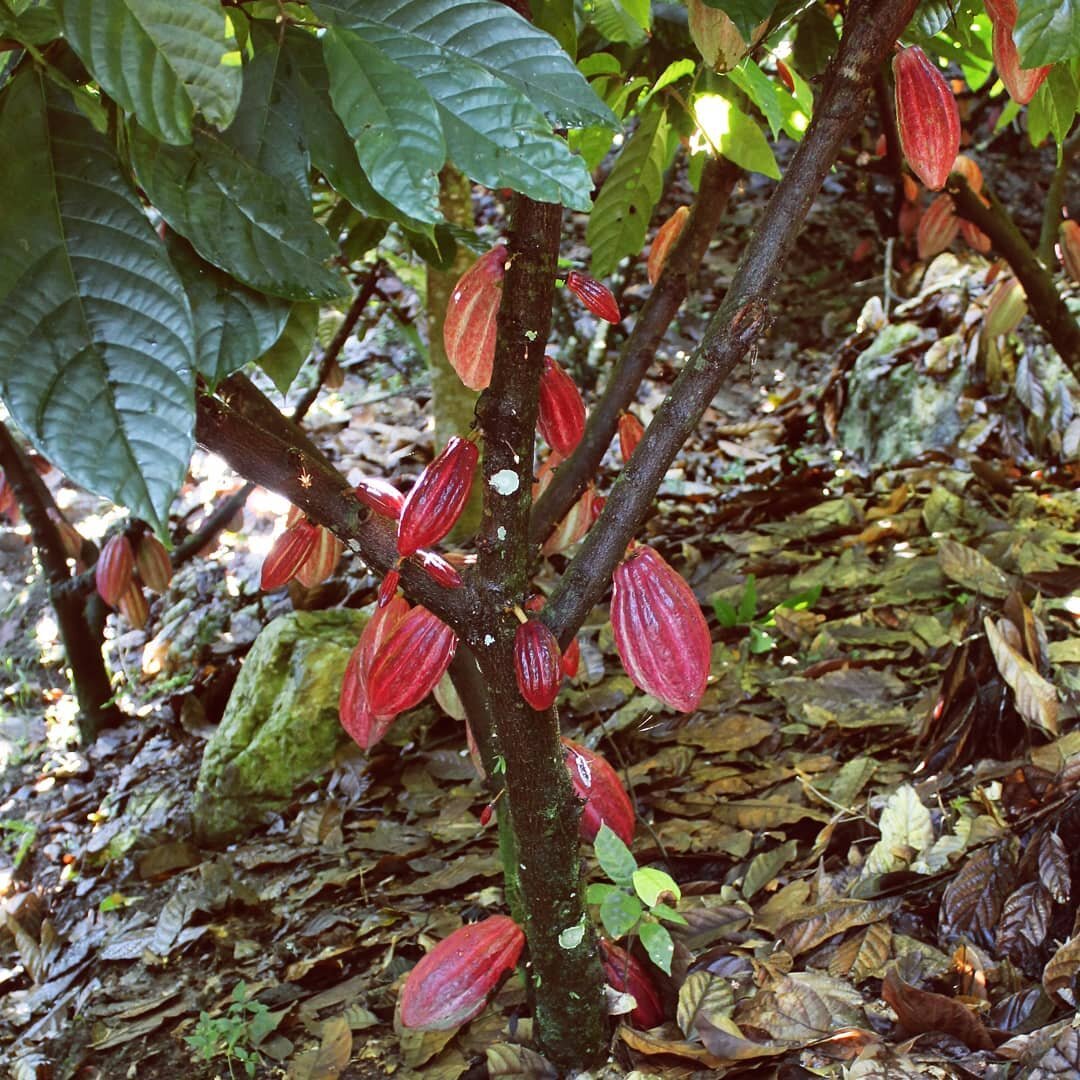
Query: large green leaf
{"type": "Point", "coordinates": [236, 216]}
{"type": "Point", "coordinates": [745, 14]}
{"type": "Point", "coordinates": [1047, 31]}
{"type": "Point", "coordinates": [621, 20]}
{"type": "Point", "coordinates": [285, 358]}
{"type": "Point", "coordinates": [392, 120]}
{"type": "Point", "coordinates": [233, 324]}
{"type": "Point", "coordinates": [96, 340]}
{"type": "Point", "coordinates": [163, 60]}
{"type": "Point", "coordinates": [620, 218]}
{"type": "Point", "coordinates": [484, 34]}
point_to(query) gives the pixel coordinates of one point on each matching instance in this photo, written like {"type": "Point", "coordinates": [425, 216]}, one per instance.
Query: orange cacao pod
{"type": "Point", "coordinates": [469, 327]}
{"type": "Point", "coordinates": [974, 237]}
{"type": "Point", "coordinates": [597, 783]}
{"type": "Point", "coordinates": [630, 431]}
{"type": "Point", "coordinates": [561, 417]}
{"type": "Point", "coordinates": [1069, 247]}
{"type": "Point", "coordinates": [322, 560]}
{"type": "Point", "coordinates": [381, 496]}
{"type": "Point", "coordinates": [438, 496]}
{"type": "Point", "coordinates": [439, 569]}
{"type": "Point", "coordinates": [785, 76]}
{"type": "Point", "coordinates": [571, 659]}
{"type": "Point", "coordinates": [132, 605]}
{"type": "Point", "coordinates": [1021, 83]}
{"type": "Point", "coordinates": [629, 976]}
{"type": "Point", "coordinates": [660, 633]}
{"type": "Point", "coordinates": [970, 171]}
{"type": "Point", "coordinates": [663, 242]}
{"type": "Point", "coordinates": [286, 555]}
{"type": "Point", "coordinates": [410, 662]}
{"type": "Point", "coordinates": [153, 563]}
{"type": "Point", "coordinates": [537, 664]}
{"type": "Point", "coordinates": [578, 518]}
{"type": "Point", "coordinates": [717, 38]}
{"type": "Point", "coordinates": [113, 572]}
{"type": "Point", "coordinates": [354, 710]}
{"type": "Point", "coordinates": [927, 117]}
{"type": "Point", "coordinates": [453, 982]}
{"type": "Point", "coordinates": [595, 295]}
{"type": "Point", "coordinates": [1006, 307]}
{"type": "Point", "coordinates": [937, 227]}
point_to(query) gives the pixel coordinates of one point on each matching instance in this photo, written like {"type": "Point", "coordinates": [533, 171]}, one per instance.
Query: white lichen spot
{"type": "Point", "coordinates": [500, 532]}
{"type": "Point", "coordinates": [572, 936]}
{"type": "Point", "coordinates": [505, 481]}
{"type": "Point", "coordinates": [489, 640]}
{"type": "Point", "coordinates": [530, 334]}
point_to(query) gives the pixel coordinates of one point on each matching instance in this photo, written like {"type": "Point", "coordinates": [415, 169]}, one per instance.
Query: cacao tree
{"type": "Point", "coordinates": [191, 179]}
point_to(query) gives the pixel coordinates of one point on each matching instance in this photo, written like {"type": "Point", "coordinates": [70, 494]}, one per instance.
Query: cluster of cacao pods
{"type": "Point", "coordinates": [305, 551]}
{"type": "Point", "coordinates": [939, 225]}
{"type": "Point", "coordinates": [122, 570]}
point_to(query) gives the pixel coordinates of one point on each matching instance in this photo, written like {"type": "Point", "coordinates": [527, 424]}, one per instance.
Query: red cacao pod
{"type": "Point", "coordinates": [629, 976]}
{"type": "Point", "coordinates": [974, 237]}
{"type": "Point", "coordinates": [1021, 83]}
{"type": "Point", "coordinates": [660, 632]}
{"type": "Point", "coordinates": [354, 709]}
{"type": "Point", "coordinates": [113, 573]}
{"type": "Point", "coordinates": [153, 563]}
{"type": "Point", "coordinates": [410, 662]}
{"type": "Point", "coordinates": [784, 73]}
{"type": "Point", "coordinates": [561, 417]}
{"type": "Point", "coordinates": [571, 659]}
{"type": "Point", "coordinates": [597, 783]}
{"type": "Point", "coordinates": [663, 242]}
{"type": "Point", "coordinates": [381, 496]}
{"type": "Point", "coordinates": [440, 571]}
{"type": "Point", "coordinates": [595, 295]}
{"type": "Point", "coordinates": [630, 431]}
{"type": "Point", "coordinates": [937, 227]}
{"type": "Point", "coordinates": [453, 982]}
{"type": "Point", "coordinates": [133, 606]}
{"type": "Point", "coordinates": [388, 587]}
{"type": "Point", "coordinates": [322, 560]}
{"type": "Point", "coordinates": [293, 517]}
{"type": "Point", "coordinates": [7, 497]}
{"type": "Point", "coordinates": [287, 554]}
{"type": "Point", "coordinates": [438, 496]}
{"type": "Point", "coordinates": [579, 517]}
{"type": "Point", "coordinates": [536, 664]}
{"type": "Point", "coordinates": [469, 327]}
{"type": "Point", "coordinates": [1069, 248]}
{"type": "Point", "coordinates": [927, 117]}
{"type": "Point", "coordinates": [1006, 307]}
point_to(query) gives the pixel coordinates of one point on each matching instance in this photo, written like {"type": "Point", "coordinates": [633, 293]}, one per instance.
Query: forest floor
{"type": "Point", "coordinates": [873, 817]}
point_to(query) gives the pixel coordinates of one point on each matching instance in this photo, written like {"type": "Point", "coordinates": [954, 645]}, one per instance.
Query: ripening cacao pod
{"type": "Point", "coordinates": [113, 573]}
{"type": "Point", "coordinates": [784, 73]}
{"type": "Point", "coordinates": [1069, 248]}
{"type": "Point", "coordinates": [410, 662]}
{"type": "Point", "coordinates": [561, 416]}
{"type": "Point", "coordinates": [381, 496]}
{"type": "Point", "coordinates": [974, 237]}
{"type": "Point", "coordinates": [629, 976]}
{"type": "Point", "coordinates": [537, 664]}
{"type": "Point", "coordinates": [717, 38]}
{"type": "Point", "coordinates": [7, 496]}
{"type": "Point", "coordinates": [571, 659]}
{"type": "Point", "coordinates": [595, 295]}
{"type": "Point", "coordinates": [293, 517]}
{"type": "Point", "coordinates": [968, 168]}
{"type": "Point", "coordinates": [133, 607]}
{"type": "Point", "coordinates": [437, 498]}
{"type": "Point", "coordinates": [322, 560]}
{"type": "Point", "coordinates": [1006, 307]}
{"type": "Point", "coordinates": [287, 554]}
{"type": "Point", "coordinates": [354, 709]}
{"type": "Point", "coordinates": [927, 117]}
{"type": "Point", "coordinates": [153, 563]}
{"type": "Point", "coordinates": [388, 588]}
{"type": "Point", "coordinates": [907, 221]}
{"type": "Point", "coordinates": [469, 327]}
{"type": "Point", "coordinates": [663, 242]}
{"type": "Point", "coordinates": [579, 517]}
{"type": "Point", "coordinates": [1021, 83]}
{"type": "Point", "coordinates": [440, 571]}
{"type": "Point", "coordinates": [597, 783]}
{"type": "Point", "coordinates": [453, 982]}
{"type": "Point", "coordinates": [660, 633]}
{"type": "Point", "coordinates": [630, 431]}
{"type": "Point", "coordinates": [937, 227]}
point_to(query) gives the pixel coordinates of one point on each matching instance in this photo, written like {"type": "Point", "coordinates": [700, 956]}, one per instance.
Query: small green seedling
{"type": "Point", "coordinates": [236, 1034]}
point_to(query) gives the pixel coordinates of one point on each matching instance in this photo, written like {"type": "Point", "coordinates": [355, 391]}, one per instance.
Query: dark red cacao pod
{"type": "Point", "coordinates": [381, 496]}
{"type": "Point", "coordinates": [440, 570]}
{"type": "Point", "coordinates": [153, 563]}
{"type": "Point", "coordinates": [606, 801]}
{"type": "Point", "coordinates": [629, 976]}
{"type": "Point", "coordinates": [437, 498]}
{"type": "Point", "coordinates": [561, 417]}
{"type": "Point", "coordinates": [937, 227]}
{"type": "Point", "coordinates": [536, 664]}
{"type": "Point", "coordinates": [286, 555]}
{"type": "Point", "coordinates": [113, 572]}
{"type": "Point", "coordinates": [1021, 83]}
{"type": "Point", "coordinates": [469, 327]}
{"type": "Point", "coordinates": [388, 587]}
{"type": "Point", "coordinates": [1069, 248]}
{"type": "Point", "coordinates": [410, 662]}
{"type": "Point", "coordinates": [322, 560]}
{"type": "Point", "coordinates": [354, 708]}
{"type": "Point", "coordinates": [660, 632]}
{"type": "Point", "coordinates": [595, 295]}
{"type": "Point", "coordinates": [630, 431]}
{"type": "Point", "coordinates": [453, 982]}
{"type": "Point", "coordinates": [663, 242]}
{"type": "Point", "coordinates": [927, 117]}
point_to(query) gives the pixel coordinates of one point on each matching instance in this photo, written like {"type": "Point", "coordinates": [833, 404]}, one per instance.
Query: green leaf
{"type": "Point", "coordinates": [745, 14]}
{"type": "Point", "coordinates": [614, 856]}
{"type": "Point", "coordinates": [726, 615]}
{"type": "Point", "coordinates": [668, 914]}
{"type": "Point", "coordinates": [233, 324]}
{"type": "Point", "coordinates": [626, 21]}
{"type": "Point", "coordinates": [236, 216]}
{"type": "Point", "coordinates": [599, 891]}
{"type": "Point", "coordinates": [620, 913]}
{"type": "Point", "coordinates": [557, 18]}
{"type": "Point", "coordinates": [392, 120]}
{"type": "Point", "coordinates": [932, 16]}
{"type": "Point", "coordinates": [1047, 31]}
{"type": "Point", "coordinates": [619, 221]}
{"type": "Point", "coordinates": [31, 25]}
{"type": "Point", "coordinates": [97, 348]}
{"type": "Point", "coordinates": [748, 600]}
{"type": "Point", "coordinates": [1053, 109]}
{"type": "Point", "coordinates": [782, 110]}
{"type": "Point", "coordinates": [650, 883]}
{"type": "Point", "coordinates": [734, 134]}
{"type": "Point", "coordinates": [285, 358]}
{"type": "Point", "coordinates": [163, 60]}
{"type": "Point", "coordinates": [471, 36]}
{"type": "Point", "coordinates": [658, 945]}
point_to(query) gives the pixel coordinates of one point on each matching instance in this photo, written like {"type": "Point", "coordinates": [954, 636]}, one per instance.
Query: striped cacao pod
{"type": "Point", "coordinates": [927, 117]}
{"type": "Point", "coordinates": [660, 633]}
{"type": "Point", "coordinates": [133, 607]}
{"type": "Point", "coordinates": [1021, 83]}
{"type": "Point", "coordinates": [410, 662]}
{"type": "Point", "coordinates": [597, 783]}
{"type": "Point", "coordinates": [561, 417]}
{"type": "Point", "coordinates": [579, 517]}
{"type": "Point", "coordinates": [153, 563]}
{"type": "Point", "coordinates": [388, 587]}
{"type": "Point", "coordinates": [1006, 307]}
{"type": "Point", "coordinates": [630, 431]}
{"type": "Point", "coordinates": [1069, 248]}
{"type": "Point", "coordinates": [437, 498]}
{"type": "Point", "coordinates": [287, 554]}
{"type": "Point", "coordinates": [322, 560]}
{"type": "Point", "coordinates": [974, 237]}
{"type": "Point", "coordinates": [380, 496]}
{"type": "Point", "coordinates": [595, 295]}
{"type": "Point", "coordinates": [537, 664]}
{"type": "Point", "coordinates": [469, 327]}
{"type": "Point", "coordinates": [441, 571]}
{"type": "Point", "coordinates": [453, 983]}
{"type": "Point", "coordinates": [663, 242]}
{"type": "Point", "coordinates": [937, 227]}
{"type": "Point", "coordinates": [354, 709]}
{"type": "Point", "coordinates": [113, 572]}
{"type": "Point", "coordinates": [629, 976]}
